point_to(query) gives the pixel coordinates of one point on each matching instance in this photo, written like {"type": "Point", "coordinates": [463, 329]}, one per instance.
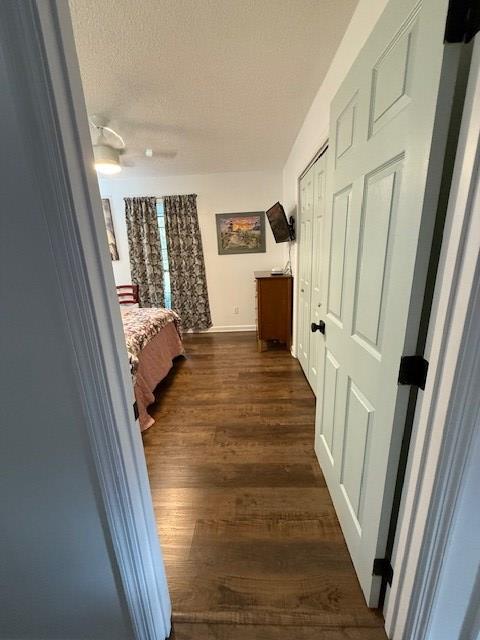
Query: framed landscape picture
{"type": "Point", "coordinates": [112, 242]}
{"type": "Point", "coordinates": [241, 232]}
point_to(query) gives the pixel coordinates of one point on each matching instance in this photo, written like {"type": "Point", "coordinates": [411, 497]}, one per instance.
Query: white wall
{"type": "Point", "coordinates": [230, 278]}
{"type": "Point", "coordinates": [314, 131]}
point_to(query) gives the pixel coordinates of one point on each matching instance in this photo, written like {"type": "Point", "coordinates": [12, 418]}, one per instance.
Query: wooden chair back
{"type": "Point", "coordinates": [127, 293]}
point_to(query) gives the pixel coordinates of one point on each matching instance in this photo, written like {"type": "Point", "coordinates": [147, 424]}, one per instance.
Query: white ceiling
{"type": "Point", "coordinates": [225, 84]}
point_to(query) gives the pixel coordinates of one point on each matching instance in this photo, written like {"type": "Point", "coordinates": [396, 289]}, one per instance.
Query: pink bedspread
{"type": "Point", "coordinates": [153, 341]}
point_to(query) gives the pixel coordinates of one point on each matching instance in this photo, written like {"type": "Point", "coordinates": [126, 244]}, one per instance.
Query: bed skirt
{"type": "Point", "coordinates": [155, 361]}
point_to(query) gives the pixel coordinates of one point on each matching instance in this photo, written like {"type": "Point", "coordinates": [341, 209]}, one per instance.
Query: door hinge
{"type": "Point", "coordinates": [135, 410]}
{"type": "Point", "coordinates": [383, 568]}
{"type": "Point", "coordinates": [413, 371]}
{"type": "Point", "coordinates": [463, 20]}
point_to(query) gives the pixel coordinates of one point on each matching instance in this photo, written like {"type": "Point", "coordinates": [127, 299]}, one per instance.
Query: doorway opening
{"type": "Point", "coordinates": [217, 440]}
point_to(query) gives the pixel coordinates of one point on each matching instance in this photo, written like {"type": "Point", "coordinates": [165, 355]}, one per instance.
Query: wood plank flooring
{"type": "Point", "coordinates": [251, 543]}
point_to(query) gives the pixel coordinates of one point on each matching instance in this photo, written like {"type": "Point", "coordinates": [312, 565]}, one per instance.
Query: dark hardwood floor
{"type": "Point", "coordinates": [251, 543]}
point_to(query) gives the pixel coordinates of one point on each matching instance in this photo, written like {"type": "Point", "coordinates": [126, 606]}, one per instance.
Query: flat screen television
{"type": "Point", "coordinates": [282, 230]}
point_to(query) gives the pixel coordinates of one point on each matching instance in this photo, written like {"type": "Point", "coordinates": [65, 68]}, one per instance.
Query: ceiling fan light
{"type": "Point", "coordinates": [107, 159]}
{"type": "Point", "coordinates": [107, 168]}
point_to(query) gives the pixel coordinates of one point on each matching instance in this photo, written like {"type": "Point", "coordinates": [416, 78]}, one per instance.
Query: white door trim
{"type": "Point", "coordinates": [46, 86]}
{"type": "Point", "coordinates": [444, 417]}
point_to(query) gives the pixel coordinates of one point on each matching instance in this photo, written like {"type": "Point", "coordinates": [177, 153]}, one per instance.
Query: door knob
{"type": "Point", "coordinates": [318, 327]}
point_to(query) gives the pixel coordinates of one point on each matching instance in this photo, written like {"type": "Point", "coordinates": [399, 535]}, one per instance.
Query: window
{"type": "Point", "coordinates": [164, 250]}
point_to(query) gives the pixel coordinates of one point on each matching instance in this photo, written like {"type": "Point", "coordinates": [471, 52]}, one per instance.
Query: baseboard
{"type": "Point", "coordinates": [227, 328]}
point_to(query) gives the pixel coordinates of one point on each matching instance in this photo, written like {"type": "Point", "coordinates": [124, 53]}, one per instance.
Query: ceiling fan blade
{"type": "Point", "coordinates": [167, 155]}
{"type": "Point", "coordinates": [163, 155]}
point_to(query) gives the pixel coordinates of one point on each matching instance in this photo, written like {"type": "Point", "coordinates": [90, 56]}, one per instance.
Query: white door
{"type": "Point", "coordinates": [305, 268]}
{"type": "Point", "coordinates": [381, 129]}
{"type": "Point", "coordinates": [317, 298]}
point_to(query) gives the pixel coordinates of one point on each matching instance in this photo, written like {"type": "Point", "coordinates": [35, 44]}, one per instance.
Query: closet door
{"type": "Point", "coordinates": [305, 269]}
{"type": "Point", "coordinates": [317, 300]}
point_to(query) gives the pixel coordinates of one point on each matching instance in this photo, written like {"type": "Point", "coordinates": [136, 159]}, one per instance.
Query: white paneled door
{"type": "Point", "coordinates": [381, 131]}
{"type": "Point", "coordinates": [305, 268]}
{"type": "Point", "coordinates": [317, 297]}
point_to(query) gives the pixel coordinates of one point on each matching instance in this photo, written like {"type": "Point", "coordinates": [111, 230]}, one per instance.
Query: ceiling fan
{"type": "Point", "coordinates": [108, 146]}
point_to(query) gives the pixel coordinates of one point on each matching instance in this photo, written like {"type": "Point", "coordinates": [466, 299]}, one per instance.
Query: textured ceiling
{"type": "Point", "coordinates": [223, 84]}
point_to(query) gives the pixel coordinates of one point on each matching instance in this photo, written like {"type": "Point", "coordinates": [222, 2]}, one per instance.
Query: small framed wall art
{"type": "Point", "coordinates": [112, 241]}
{"type": "Point", "coordinates": [241, 232]}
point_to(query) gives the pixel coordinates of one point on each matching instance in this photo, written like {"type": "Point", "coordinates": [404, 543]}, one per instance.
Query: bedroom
{"type": "Point", "coordinates": [227, 422]}
{"type": "Point", "coordinates": [221, 448]}
{"type": "Point", "coordinates": [194, 148]}
{"type": "Point", "coordinates": [208, 129]}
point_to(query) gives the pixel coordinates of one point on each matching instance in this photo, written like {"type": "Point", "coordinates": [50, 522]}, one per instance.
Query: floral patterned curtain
{"type": "Point", "coordinates": [187, 266]}
{"type": "Point", "coordinates": [144, 250]}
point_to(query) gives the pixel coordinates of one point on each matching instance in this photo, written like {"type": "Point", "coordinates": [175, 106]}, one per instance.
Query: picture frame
{"type": "Point", "coordinates": [241, 233]}
{"type": "Point", "coordinates": [112, 241]}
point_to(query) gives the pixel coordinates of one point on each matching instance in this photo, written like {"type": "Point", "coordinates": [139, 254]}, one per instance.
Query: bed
{"type": "Point", "coordinates": [153, 340]}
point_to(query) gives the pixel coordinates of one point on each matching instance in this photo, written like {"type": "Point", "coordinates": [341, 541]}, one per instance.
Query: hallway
{"type": "Point", "coordinates": [247, 527]}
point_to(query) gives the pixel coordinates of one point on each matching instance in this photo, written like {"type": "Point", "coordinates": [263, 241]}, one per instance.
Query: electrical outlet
{"type": "Point", "coordinates": [236, 310]}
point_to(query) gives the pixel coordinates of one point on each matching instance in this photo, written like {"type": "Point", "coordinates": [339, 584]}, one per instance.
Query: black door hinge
{"type": "Point", "coordinates": [413, 371]}
{"type": "Point", "coordinates": [463, 20]}
{"type": "Point", "coordinates": [135, 410]}
{"type": "Point", "coordinates": [383, 568]}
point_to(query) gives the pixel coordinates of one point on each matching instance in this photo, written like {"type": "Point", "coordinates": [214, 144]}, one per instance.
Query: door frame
{"type": "Point", "coordinates": [47, 89]}
{"type": "Point", "coordinates": [445, 412]}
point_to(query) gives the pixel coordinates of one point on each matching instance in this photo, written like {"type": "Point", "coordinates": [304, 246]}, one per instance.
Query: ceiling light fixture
{"type": "Point", "coordinates": [106, 156]}
{"type": "Point", "coordinates": [107, 159]}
